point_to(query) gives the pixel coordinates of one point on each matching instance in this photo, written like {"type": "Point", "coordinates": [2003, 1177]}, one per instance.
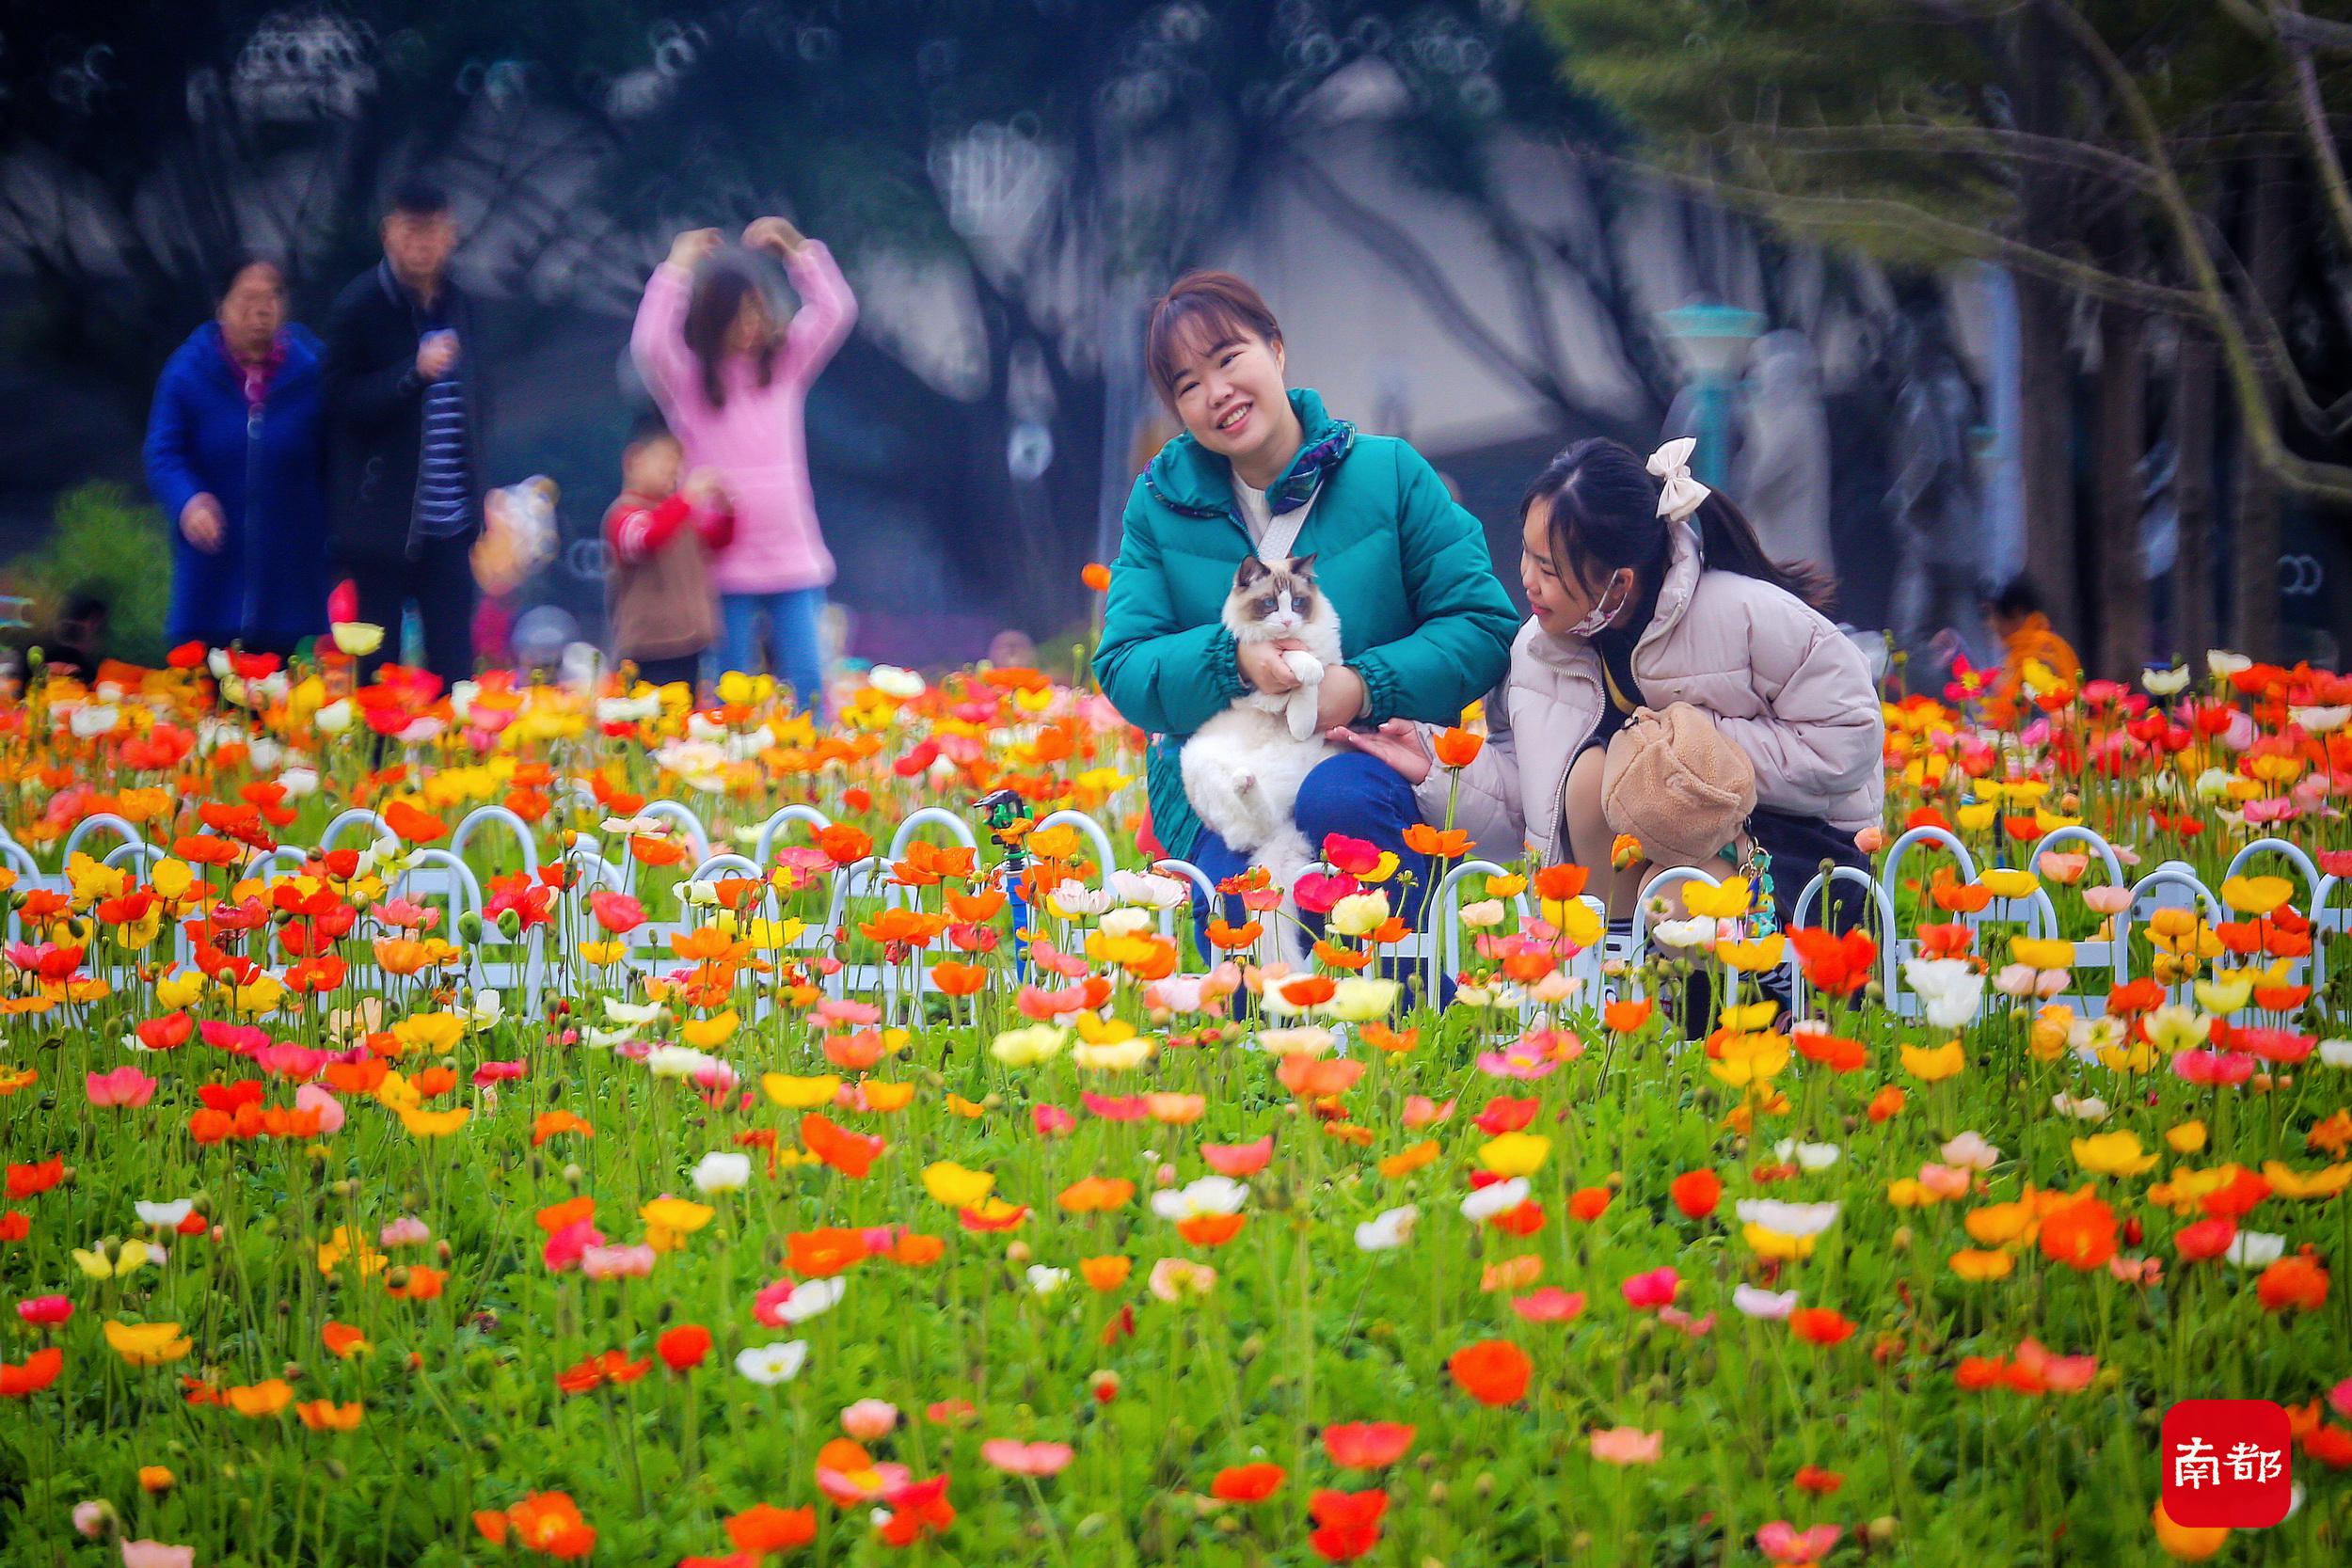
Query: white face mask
{"type": "Point", "coordinates": [1603, 613]}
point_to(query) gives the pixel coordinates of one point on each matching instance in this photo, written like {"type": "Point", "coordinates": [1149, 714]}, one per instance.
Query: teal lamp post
{"type": "Point", "coordinates": [1713, 341]}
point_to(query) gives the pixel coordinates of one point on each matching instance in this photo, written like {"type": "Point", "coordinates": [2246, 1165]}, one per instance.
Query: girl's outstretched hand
{"type": "Point", "coordinates": [775, 236]}
{"type": "Point", "coordinates": [693, 245]}
{"type": "Point", "coordinates": [1398, 743]}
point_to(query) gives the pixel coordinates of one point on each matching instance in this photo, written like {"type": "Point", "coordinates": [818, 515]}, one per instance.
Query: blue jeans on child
{"type": "Point", "coordinates": [794, 617]}
{"type": "Point", "coordinates": [1353, 795]}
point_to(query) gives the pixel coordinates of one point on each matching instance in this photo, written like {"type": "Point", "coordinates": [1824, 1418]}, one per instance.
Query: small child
{"type": "Point", "coordinates": [658, 596]}
{"type": "Point", "coordinates": [2015, 618]}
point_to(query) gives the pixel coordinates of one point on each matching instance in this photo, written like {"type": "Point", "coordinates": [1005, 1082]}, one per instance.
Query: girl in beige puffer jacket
{"type": "Point", "coordinates": [1648, 589]}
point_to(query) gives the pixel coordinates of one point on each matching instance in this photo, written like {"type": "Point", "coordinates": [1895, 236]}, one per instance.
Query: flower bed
{"type": "Point", "coordinates": [426, 1146]}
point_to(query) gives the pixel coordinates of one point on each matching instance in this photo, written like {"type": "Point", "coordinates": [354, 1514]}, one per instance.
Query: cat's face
{"type": "Point", "coordinates": [1277, 598]}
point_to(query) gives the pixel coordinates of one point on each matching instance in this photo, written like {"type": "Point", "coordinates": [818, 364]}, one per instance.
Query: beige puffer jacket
{"type": "Point", "coordinates": [1780, 682]}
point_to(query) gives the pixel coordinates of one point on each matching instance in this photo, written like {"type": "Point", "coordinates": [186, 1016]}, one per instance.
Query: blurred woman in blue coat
{"type": "Point", "coordinates": [236, 457]}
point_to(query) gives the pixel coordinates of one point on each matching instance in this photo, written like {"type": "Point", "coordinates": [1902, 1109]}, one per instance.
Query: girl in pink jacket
{"type": "Point", "coordinates": [1649, 589]}
{"type": "Point", "coordinates": [733, 383]}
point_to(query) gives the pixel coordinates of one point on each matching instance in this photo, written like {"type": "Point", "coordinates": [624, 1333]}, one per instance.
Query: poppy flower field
{"type": "Point", "coordinates": [510, 1124]}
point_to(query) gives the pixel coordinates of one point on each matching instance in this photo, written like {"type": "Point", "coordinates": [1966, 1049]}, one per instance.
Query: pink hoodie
{"type": "Point", "coordinates": [757, 440]}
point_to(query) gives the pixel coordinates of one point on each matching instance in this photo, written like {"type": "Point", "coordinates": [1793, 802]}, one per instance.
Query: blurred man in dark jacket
{"type": "Point", "coordinates": [407, 410]}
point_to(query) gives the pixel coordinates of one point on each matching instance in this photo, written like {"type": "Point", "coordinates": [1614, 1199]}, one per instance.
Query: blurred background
{"type": "Point", "coordinates": [1951, 292]}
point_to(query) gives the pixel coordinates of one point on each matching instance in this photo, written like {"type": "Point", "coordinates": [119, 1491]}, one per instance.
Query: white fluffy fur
{"type": "Point", "coordinates": [1242, 768]}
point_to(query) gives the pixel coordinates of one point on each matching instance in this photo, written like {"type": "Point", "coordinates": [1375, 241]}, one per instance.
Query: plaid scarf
{"type": "Point", "coordinates": [1296, 486]}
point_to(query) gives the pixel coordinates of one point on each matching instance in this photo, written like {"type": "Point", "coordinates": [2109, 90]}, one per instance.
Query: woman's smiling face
{"type": "Point", "coordinates": [1230, 393]}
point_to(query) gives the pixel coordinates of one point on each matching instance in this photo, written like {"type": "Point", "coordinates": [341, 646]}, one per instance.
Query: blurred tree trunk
{"type": "Point", "coordinates": [2045, 388]}
{"type": "Point", "coordinates": [2193, 587]}
{"type": "Point", "coordinates": [2122, 607]}
{"type": "Point", "coordinates": [2255, 551]}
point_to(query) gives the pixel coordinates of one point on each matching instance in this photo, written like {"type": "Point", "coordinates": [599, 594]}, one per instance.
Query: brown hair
{"type": "Point", "coordinates": [721, 284]}
{"type": "Point", "coordinates": [1223, 307]}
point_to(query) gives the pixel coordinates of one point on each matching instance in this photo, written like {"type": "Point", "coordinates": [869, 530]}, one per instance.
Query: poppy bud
{"type": "Point", "coordinates": [1018, 1252]}
{"type": "Point", "coordinates": [510, 924]}
{"type": "Point", "coordinates": [1880, 1530]}
{"type": "Point", "coordinates": [469, 927]}
{"type": "Point", "coordinates": [1484, 1484]}
{"type": "Point", "coordinates": [336, 1470]}
{"type": "Point", "coordinates": [2131, 1232]}
{"type": "Point", "coordinates": [1437, 1494]}
{"type": "Point", "coordinates": [1875, 993]}
{"type": "Point", "coordinates": [1901, 1239]}
{"type": "Point", "coordinates": [396, 1277]}
{"type": "Point", "coordinates": [574, 1176]}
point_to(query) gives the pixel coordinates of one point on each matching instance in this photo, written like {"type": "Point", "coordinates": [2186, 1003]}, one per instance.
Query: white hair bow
{"type": "Point", "coordinates": [1671, 463]}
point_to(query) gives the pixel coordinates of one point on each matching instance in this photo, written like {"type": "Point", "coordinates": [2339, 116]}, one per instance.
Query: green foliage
{"type": "Point", "coordinates": [105, 542]}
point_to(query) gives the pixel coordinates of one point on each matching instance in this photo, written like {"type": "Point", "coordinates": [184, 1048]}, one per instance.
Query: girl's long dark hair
{"type": "Point", "coordinates": [1604, 505]}
{"type": "Point", "coordinates": [720, 285]}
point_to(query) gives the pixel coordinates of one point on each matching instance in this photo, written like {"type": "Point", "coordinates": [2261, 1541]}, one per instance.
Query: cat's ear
{"type": "Point", "coordinates": [1303, 565]}
{"type": "Point", "coordinates": [1251, 570]}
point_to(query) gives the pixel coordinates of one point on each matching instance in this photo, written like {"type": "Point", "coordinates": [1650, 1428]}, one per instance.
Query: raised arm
{"type": "Point", "coordinates": [828, 310]}
{"type": "Point", "coordinates": [1161, 674]}
{"type": "Point", "coordinates": [1463, 620]}
{"type": "Point", "coordinates": [657, 341]}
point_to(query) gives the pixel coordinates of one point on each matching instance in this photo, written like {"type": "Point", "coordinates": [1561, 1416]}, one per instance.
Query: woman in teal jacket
{"type": "Point", "coordinates": [1424, 622]}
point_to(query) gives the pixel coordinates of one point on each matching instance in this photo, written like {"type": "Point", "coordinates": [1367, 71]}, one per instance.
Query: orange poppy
{"type": "Point", "coordinates": [823, 1253]}
{"type": "Point", "coordinates": [1456, 748]}
{"type": "Point", "coordinates": [1492, 1371]}
{"type": "Point", "coordinates": [850, 1153]}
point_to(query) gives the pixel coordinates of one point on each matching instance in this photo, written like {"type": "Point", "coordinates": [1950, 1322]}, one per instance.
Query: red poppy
{"type": "Point", "coordinates": [1821, 1326]}
{"type": "Point", "coordinates": [683, 1348]}
{"type": "Point", "coordinates": [1366, 1445]}
{"type": "Point", "coordinates": [38, 1371]}
{"type": "Point", "coordinates": [1696, 1192]}
{"type": "Point", "coordinates": [1248, 1483]}
{"type": "Point", "coordinates": [1348, 1523]}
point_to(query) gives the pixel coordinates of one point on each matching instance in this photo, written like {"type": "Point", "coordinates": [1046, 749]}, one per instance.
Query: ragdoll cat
{"type": "Point", "coordinates": [1242, 768]}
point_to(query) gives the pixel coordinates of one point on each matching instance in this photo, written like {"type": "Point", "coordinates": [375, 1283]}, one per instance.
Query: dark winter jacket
{"type": "Point", "coordinates": [268, 583]}
{"type": "Point", "coordinates": [375, 413]}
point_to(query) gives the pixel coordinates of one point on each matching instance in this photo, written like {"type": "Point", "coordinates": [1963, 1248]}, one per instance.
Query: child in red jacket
{"type": "Point", "coordinates": [658, 596]}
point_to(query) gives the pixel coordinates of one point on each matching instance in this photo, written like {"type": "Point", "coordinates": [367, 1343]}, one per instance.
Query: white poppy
{"type": "Point", "coordinates": [1388, 1231]}
{"type": "Point", "coordinates": [768, 1365]}
{"type": "Point", "coordinates": [2256, 1249]}
{"type": "Point", "coordinates": [1045, 1281]}
{"type": "Point", "coordinates": [1769, 1306]}
{"type": "Point", "coordinates": [1794, 1220]}
{"type": "Point", "coordinates": [723, 1172]}
{"type": "Point", "coordinates": [1207, 1194]}
{"type": "Point", "coordinates": [166, 1216]}
{"type": "Point", "coordinates": [1496, 1198]}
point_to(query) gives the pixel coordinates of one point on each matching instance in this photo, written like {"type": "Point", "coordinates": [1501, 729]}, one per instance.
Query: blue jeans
{"type": "Point", "coordinates": [1354, 795]}
{"type": "Point", "coordinates": [793, 619]}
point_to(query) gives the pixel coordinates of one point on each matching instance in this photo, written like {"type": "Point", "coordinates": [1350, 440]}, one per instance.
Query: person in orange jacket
{"type": "Point", "coordinates": [2015, 616]}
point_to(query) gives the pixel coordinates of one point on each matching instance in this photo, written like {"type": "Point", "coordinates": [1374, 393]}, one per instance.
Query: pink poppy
{"type": "Point", "coordinates": [2212, 1067]}
{"type": "Point", "coordinates": [125, 1087]}
{"type": "Point", "coordinates": [286, 1059]}
{"type": "Point", "coordinates": [1946, 1181]}
{"type": "Point", "coordinates": [242, 1039]}
{"type": "Point", "coordinates": [48, 1312]}
{"type": "Point", "coordinates": [834, 1010]}
{"type": "Point", "coordinates": [1422, 1111]}
{"type": "Point", "coordinates": [1551, 1304]}
{"type": "Point", "coordinates": [1239, 1160]}
{"type": "Point", "coordinates": [1046, 1006]}
{"type": "Point", "coordinates": [317, 1101]}
{"type": "Point", "coordinates": [1521, 1061]}
{"type": "Point", "coordinates": [1627, 1446]}
{"type": "Point", "coordinates": [2063, 1374]}
{"type": "Point", "coordinates": [868, 1419]}
{"type": "Point", "coordinates": [1697, 1328]}
{"type": "Point", "coordinates": [1656, 1288]}
{"type": "Point", "coordinates": [407, 1230]}
{"type": "Point", "coordinates": [617, 1262]}
{"type": "Point", "coordinates": [1016, 1458]}
{"type": "Point", "coordinates": [1052, 1121]}
{"type": "Point", "coordinates": [565, 1247]}
{"type": "Point", "coordinates": [2339, 1399]}
{"type": "Point", "coordinates": [1114, 1107]}
{"type": "Point", "coordinates": [1784, 1543]}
